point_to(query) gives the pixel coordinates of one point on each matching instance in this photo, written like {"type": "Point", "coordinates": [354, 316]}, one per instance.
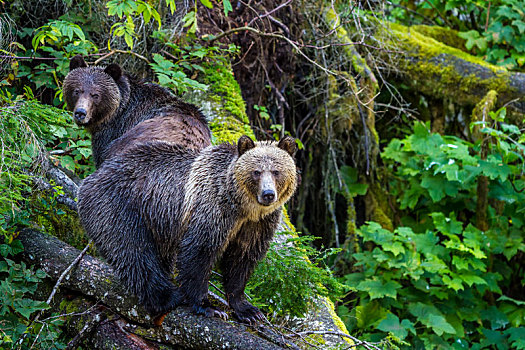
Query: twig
{"type": "Point", "coordinates": [279, 36]}
{"type": "Point", "coordinates": [269, 12]}
{"type": "Point", "coordinates": [112, 52]}
{"type": "Point", "coordinates": [66, 271]}
{"type": "Point", "coordinates": [29, 58]}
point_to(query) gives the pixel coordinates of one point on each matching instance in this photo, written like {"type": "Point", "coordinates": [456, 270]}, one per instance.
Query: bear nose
{"type": "Point", "coordinates": [80, 114]}
{"type": "Point", "coordinates": [268, 196]}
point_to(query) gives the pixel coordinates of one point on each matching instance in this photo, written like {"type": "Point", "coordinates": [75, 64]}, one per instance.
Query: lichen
{"type": "Point", "coordinates": [337, 321]}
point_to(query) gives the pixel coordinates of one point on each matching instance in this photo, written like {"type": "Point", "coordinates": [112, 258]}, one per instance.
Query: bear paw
{"type": "Point", "coordinates": [209, 311]}
{"type": "Point", "coordinates": [248, 313]}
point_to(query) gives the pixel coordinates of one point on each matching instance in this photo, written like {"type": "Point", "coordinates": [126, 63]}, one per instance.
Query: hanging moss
{"type": "Point", "coordinates": [487, 104]}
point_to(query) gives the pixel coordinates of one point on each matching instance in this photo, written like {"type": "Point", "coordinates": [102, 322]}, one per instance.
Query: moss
{"type": "Point", "coordinates": [445, 35]}
{"type": "Point", "coordinates": [230, 121]}
{"type": "Point", "coordinates": [429, 57]}
{"type": "Point", "coordinates": [358, 63]}
{"type": "Point", "coordinates": [487, 104]}
{"type": "Point", "coordinates": [431, 47]}
{"type": "Point", "coordinates": [288, 224]}
{"type": "Point", "coordinates": [377, 208]}
{"type": "Point", "coordinates": [337, 321]}
{"type": "Point", "coordinates": [351, 227]}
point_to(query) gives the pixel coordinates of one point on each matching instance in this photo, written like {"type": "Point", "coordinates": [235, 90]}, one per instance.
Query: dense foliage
{"type": "Point", "coordinates": [28, 130]}
{"type": "Point", "coordinates": [437, 280]}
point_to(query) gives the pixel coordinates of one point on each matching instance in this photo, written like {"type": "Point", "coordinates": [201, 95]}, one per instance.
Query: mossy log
{"type": "Point", "coordinates": [442, 71]}
{"type": "Point", "coordinates": [181, 328]}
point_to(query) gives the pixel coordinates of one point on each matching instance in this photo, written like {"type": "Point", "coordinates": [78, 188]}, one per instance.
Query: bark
{"type": "Point", "coordinates": [95, 279]}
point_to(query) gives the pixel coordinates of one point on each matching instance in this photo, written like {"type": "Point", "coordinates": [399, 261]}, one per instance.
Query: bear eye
{"type": "Point", "coordinates": [275, 173]}
{"type": "Point", "coordinates": [256, 173]}
{"type": "Point", "coordinates": [95, 96]}
{"type": "Point", "coordinates": [76, 92]}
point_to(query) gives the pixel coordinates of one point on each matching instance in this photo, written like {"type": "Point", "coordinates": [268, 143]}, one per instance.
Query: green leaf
{"type": "Point", "coordinates": [431, 317]}
{"type": "Point", "coordinates": [516, 337]}
{"type": "Point", "coordinates": [453, 283]}
{"type": "Point", "coordinates": [470, 279]}
{"type": "Point", "coordinates": [207, 3]}
{"type": "Point", "coordinates": [68, 163]}
{"type": "Point", "coordinates": [369, 314]}
{"type": "Point", "coordinates": [227, 7]}
{"type": "Point", "coordinates": [377, 289]}
{"type": "Point", "coordinates": [496, 318]}
{"type": "Point", "coordinates": [440, 325]}
{"type": "Point", "coordinates": [391, 325]}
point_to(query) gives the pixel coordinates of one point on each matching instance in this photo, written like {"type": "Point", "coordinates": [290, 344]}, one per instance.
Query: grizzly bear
{"type": "Point", "coordinates": [109, 102]}
{"type": "Point", "coordinates": [159, 205]}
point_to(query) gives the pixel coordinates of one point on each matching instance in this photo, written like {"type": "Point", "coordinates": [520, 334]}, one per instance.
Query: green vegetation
{"type": "Point", "coordinates": [28, 129]}
{"type": "Point", "coordinates": [280, 293]}
{"type": "Point", "coordinates": [437, 279]}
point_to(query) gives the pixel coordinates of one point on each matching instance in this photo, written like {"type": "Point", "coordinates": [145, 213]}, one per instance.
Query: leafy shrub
{"type": "Point", "coordinates": [18, 284]}
{"type": "Point", "coordinates": [27, 130]}
{"type": "Point", "coordinates": [438, 280]}
{"type": "Point", "coordinates": [291, 276]}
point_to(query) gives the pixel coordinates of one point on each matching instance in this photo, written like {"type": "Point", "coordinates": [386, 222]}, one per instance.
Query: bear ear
{"type": "Point", "coordinates": [244, 144]}
{"type": "Point", "coordinates": [288, 144]}
{"type": "Point", "coordinates": [77, 62]}
{"type": "Point", "coordinates": [114, 71]}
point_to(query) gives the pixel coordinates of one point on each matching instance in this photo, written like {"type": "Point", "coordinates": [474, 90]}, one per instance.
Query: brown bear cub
{"type": "Point", "coordinates": [158, 205]}
{"type": "Point", "coordinates": [109, 102]}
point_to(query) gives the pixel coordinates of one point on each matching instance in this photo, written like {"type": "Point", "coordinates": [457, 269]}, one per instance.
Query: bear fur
{"type": "Point", "coordinates": [158, 205]}
{"type": "Point", "coordinates": [109, 102]}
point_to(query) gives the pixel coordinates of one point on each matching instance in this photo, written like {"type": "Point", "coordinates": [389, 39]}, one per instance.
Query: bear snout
{"type": "Point", "coordinates": [80, 115]}
{"type": "Point", "coordinates": [267, 193]}
{"type": "Point", "coordinates": [268, 197]}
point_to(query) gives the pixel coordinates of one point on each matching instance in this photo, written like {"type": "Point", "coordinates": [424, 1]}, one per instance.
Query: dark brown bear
{"type": "Point", "coordinates": [157, 204]}
{"type": "Point", "coordinates": [109, 102]}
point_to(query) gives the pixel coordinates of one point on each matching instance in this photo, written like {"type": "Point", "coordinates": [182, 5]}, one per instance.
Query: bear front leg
{"type": "Point", "coordinates": [239, 260]}
{"type": "Point", "coordinates": [122, 237]}
{"type": "Point", "coordinates": [194, 262]}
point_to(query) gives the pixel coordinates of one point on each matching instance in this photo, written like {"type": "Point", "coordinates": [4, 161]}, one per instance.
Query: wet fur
{"type": "Point", "coordinates": [186, 208]}
{"type": "Point", "coordinates": [123, 102]}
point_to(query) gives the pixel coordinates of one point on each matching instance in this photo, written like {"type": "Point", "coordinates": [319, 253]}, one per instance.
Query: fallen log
{"type": "Point", "coordinates": [94, 278]}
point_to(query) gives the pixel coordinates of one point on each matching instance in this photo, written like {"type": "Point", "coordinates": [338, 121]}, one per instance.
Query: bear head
{"type": "Point", "coordinates": [92, 93]}
{"type": "Point", "coordinates": [266, 171]}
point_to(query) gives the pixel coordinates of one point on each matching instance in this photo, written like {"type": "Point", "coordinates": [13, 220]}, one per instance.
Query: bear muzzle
{"type": "Point", "coordinates": [267, 193]}
{"type": "Point", "coordinates": [80, 115]}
